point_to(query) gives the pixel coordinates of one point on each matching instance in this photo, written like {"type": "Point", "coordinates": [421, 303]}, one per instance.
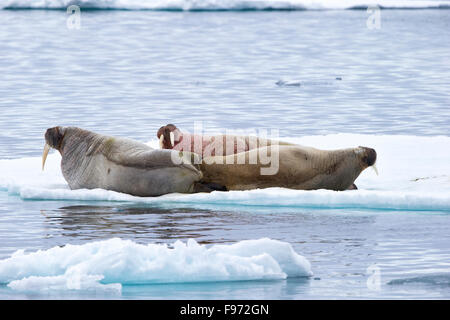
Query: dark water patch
{"type": "Point", "coordinates": [441, 280]}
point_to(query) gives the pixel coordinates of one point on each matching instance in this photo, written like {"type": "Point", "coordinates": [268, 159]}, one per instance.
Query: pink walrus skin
{"type": "Point", "coordinates": [170, 137]}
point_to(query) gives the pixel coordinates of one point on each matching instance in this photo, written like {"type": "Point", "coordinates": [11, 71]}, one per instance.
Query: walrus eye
{"type": "Point", "coordinates": [161, 141]}
{"type": "Point", "coordinates": [44, 154]}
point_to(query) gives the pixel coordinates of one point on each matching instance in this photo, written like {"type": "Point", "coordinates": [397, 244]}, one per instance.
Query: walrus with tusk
{"type": "Point", "coordinates": [170, 137]}
{"type": "Point", "coordinates": [91, 160]}
{"type": "Point", "coordinates": [289, 166]}
{"type": "Point", "coordinates": [236, 161]}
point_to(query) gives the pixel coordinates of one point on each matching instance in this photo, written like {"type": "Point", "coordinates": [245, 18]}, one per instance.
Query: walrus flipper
{"type": "Point", "coordinates": [353, 187]}
{"type": "Point", "coordinates": [130, 153]}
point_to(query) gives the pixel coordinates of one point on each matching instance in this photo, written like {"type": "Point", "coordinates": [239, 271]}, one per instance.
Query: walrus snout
{"type": "Point", "coordinates": [369, 157]}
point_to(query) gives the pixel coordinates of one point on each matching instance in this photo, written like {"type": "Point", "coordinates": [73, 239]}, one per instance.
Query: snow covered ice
{"type": "Point", "coordinates": [413, 175]}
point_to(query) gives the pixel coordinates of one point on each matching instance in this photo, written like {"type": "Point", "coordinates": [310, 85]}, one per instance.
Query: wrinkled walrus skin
{"type": "Point", "coordinates": [170, 137]}
{"type": "Point", "coordinates": [299, 167]}
{"type": "Point", "coordinates": [91, 160]}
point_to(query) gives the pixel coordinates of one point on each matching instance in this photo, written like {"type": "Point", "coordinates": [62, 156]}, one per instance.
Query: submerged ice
{"type": "Point", "coordinates": [109, 264]}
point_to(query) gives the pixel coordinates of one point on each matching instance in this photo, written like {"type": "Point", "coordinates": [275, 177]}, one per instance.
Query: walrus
{"type": "Point", "coordinates": [230, 178]}
{"type": "Point", "coordinates": [91, 160]}
{"type": "Point", "coordinates": [170, 137]}
{"type": "Point", "coordinates": [296, 167]}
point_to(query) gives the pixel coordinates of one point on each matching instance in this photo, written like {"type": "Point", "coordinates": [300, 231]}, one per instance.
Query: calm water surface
{"type": "Point", "coordinates": [128, 73]}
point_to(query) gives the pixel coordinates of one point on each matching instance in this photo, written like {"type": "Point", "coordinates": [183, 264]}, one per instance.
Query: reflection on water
{"type": "Point", "coordinates": [282, 289]}
{"type": "Point", "coordinates": [89, 222]}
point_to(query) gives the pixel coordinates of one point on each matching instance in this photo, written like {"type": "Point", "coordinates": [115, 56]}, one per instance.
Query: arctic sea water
{"type": "Point", "coordinates": [321, 76]}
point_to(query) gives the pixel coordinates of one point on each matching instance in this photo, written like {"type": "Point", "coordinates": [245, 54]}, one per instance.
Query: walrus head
{"type": "Point", "coordinates": [53, 139]}
{"type": "Point", "coordinates": [338, 169]}
{"type": "Point", "coordinates": [343, 166]}
{"type": "Point", "coordinates": [368, 157]}
{"type": "Point", "coordinates": [168, 135]}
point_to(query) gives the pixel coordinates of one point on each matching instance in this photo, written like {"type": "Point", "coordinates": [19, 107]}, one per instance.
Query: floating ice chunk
{"type": "Point", "coordinates": [108, 264]}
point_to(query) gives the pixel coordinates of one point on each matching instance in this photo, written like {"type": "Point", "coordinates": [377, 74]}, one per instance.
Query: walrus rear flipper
{"type": "Point", "coordinates": [353, 187]}
{"type": "Point", "coordinates": [208, 187]}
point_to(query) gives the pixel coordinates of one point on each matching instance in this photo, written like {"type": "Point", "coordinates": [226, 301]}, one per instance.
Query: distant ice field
{"type": "Point", "coordinates": [186, 5]}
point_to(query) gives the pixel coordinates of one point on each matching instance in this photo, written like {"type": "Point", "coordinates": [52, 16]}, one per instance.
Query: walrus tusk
{"type": "Point", "coordinates": [374, 167]}
{"type": "Point", "coordinates": [44, 154]}
{"type": "Point", "coordinates": [161, 142]}
{"type": "Point", "coordinates": [172, 139]}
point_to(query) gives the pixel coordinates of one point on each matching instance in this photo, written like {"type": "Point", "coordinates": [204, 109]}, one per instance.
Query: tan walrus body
{"type": "Point", "coordinates": [299, 167]}
{"type": "Point", "coordinates": [90, 160]}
